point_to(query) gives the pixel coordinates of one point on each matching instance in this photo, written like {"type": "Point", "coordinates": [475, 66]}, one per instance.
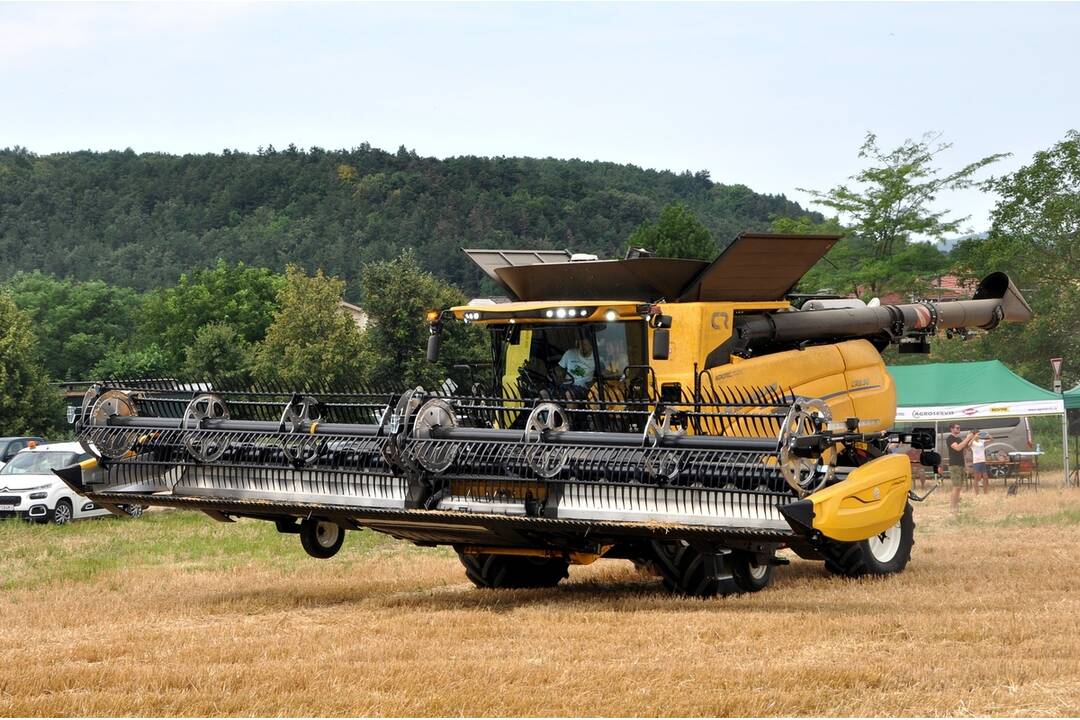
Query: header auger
{"type": "Point", "coordinates": [692, 434]}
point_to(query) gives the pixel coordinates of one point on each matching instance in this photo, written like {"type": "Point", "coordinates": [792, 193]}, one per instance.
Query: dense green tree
{"type": "Point", "coordinates": [677, 233]}
{"type": "Point", "coordinates": [134, 361]}
{"type": "Point", "coordinates": [892, 202]}
{"type": "Point", "coordinates": [235, 295]}
{"type": "Point", "coordinates": [28, 403]}
{"type": "Point", "coordinates": [142, 220]}
{"type": "Point", "coordinates": [77, 323]}
{"type": "Point", "coordinates": [1035, 237]}
{"type": "Point", "coordinates": [218, 353]}
{"type": "Point", "coordinates": [312, 342]}
{"type": "Point", "coordinates": [397, 294]}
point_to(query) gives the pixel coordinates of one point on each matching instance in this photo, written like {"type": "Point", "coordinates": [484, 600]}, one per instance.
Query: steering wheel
{"type": "Point", "coordinates": [539, 381]}
{"type": "Point", "coordinates": [532, 378]}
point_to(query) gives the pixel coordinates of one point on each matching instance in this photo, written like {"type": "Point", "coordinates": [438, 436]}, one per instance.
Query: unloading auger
{"type": "Point", "coordinates": [693, 435]}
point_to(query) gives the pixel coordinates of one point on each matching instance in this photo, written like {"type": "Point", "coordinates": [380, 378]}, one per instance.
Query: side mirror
{"type": "Point", "coordinates": [434, 341]}
{"type": "Point", "coordinates": [661, 344]}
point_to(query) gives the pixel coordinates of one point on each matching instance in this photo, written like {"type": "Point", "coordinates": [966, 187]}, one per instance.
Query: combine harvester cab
{"type": "Point", "coordinates": [677, 413]}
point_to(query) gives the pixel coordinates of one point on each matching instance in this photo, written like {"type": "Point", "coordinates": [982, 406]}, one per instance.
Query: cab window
{"type": "Point", "coordinates": [572, 357]}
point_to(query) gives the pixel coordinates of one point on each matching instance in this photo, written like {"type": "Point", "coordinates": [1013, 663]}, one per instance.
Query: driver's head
{"type": "Point", "coordinates": [584, 345]}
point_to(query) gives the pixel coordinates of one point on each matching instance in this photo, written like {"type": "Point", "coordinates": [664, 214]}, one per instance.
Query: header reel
{"type": "Point", "coordinates": [426, 435]}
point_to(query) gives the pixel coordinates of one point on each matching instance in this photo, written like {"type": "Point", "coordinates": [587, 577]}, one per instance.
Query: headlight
{"type": "Point", "coordinates": [38, 495]}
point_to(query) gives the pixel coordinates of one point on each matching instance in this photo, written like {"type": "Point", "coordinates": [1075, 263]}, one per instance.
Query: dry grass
{"type": "Point", "coordinates": [178, 615]}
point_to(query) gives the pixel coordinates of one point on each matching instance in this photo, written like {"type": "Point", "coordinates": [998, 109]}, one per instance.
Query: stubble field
{"type": "Point", "coordinates": [175, 614]}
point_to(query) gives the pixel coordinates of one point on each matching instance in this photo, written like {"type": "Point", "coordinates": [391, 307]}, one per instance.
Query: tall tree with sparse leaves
{"type": "Point", "coordinates": [892, 201]}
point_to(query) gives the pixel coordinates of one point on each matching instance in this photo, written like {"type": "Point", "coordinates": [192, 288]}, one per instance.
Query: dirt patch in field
{"type": "Point", "coordinates": [177, 615]}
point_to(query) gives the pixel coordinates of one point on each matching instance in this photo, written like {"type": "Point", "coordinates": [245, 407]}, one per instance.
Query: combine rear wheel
{"type": "Point", "coordinates": [321, 539]}
{"type": "Point", "coordinates": [686, 570]}
{"type": "Point", "coordinates": [883, 554]}
{"type": "Point", "coordinates": [513, 571]}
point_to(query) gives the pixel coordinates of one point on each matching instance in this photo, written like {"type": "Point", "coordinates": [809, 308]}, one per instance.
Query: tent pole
{"type": "Point", "coordinates": [1065, 443]}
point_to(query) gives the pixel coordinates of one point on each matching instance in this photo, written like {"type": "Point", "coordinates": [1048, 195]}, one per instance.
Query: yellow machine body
{"type": "Point", "coordinates": [868, 502]}
{"type": "Point", "coordinates": [850, 377]}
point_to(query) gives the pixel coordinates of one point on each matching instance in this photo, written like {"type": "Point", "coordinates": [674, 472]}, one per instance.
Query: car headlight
{"type": "Point", "coordinates": [46, 486]}
{"type": "Point", "coordinates": [39, 495]}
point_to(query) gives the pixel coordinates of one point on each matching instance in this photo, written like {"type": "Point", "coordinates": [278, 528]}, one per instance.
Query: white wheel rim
{"type": "Point", "coordinates": [758, 571]}
{"type": "Point", "coordinates": [884, 546]}
{"type": "Point", "coordinates": [62, 514]}
{"type": "Point", "coordinates": [326, 533]}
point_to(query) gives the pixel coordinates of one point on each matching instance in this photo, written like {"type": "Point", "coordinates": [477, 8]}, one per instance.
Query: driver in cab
{"type": "Point", "coordinates": [579, 364]}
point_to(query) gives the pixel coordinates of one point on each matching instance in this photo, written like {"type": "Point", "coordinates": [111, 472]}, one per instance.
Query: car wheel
{"type": "Point", "coordinates": [135, 511]}
{"type": "Point", "coordinates": [63, 513]}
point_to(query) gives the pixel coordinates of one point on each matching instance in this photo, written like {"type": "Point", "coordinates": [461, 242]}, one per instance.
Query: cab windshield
{"type": "Point", "coordinates": [576, 359]}
{"type": "Point", "coordinates": [38, 463]}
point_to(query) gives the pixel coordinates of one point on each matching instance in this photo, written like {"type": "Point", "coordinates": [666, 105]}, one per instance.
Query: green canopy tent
{"type": "Point", "coordinates": [955, 391]}
{"type": "Point", "coordinates": [958, 391]}
{"type": "Point", "coordinates": [1072, 398]}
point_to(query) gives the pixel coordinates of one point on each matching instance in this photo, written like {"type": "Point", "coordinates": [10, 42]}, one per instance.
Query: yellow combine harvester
{"type": "Point", "coordinates": [678, 413]}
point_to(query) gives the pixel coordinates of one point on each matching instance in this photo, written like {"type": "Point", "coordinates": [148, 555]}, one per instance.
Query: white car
{"type": "Point", "coordinates": [30, 490]}
{"type": "Point", "coordinates": [11, 445]}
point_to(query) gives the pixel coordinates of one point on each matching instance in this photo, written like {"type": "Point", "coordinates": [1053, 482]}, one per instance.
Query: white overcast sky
{"type": "Point", "coordinates": [773, 95]}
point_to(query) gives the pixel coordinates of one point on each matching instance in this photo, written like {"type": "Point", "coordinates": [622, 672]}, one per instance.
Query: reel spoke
{"type": "Point", "coordinates": [204, 446]}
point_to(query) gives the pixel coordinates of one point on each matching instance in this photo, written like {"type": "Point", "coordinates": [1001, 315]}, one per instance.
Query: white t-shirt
{"type": "Point", "coordinates": [581, 368]}
{"type": "Point", "coordinates": [978, 451]}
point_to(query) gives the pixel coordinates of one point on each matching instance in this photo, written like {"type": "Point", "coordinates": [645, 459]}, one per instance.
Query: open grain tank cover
{"type": "Point", "coordinates": [758, 267]}
{"type": "Point", "coordinates": [491, 260]}
{"type": "Point", "coordinates": [644, 279]}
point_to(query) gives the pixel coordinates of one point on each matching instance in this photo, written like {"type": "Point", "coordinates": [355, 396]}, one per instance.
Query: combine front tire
{"type": "Point", "coordinates": [882, 554]}
{"type": "Point", "coordinates": [321, 539]}
{"type": "Point", "coordinates": [513, 571]}
{"type": "Point", "coordinates": [686, 570]}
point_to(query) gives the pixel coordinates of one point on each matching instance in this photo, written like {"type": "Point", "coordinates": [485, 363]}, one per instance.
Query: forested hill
{"type": "Point", "coordinates": [142, 219]}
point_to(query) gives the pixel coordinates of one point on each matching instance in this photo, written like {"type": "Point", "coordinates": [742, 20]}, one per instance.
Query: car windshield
{"type": "Point", "coordinates": [38, 463]}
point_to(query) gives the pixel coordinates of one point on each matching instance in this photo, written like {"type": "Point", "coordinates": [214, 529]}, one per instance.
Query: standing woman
{"type": "Point", "coordinates": [978, 462]}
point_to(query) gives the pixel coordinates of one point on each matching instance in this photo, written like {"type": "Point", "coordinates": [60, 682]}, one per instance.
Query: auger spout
{"type": "Point", "coordinates": [996, 300]}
